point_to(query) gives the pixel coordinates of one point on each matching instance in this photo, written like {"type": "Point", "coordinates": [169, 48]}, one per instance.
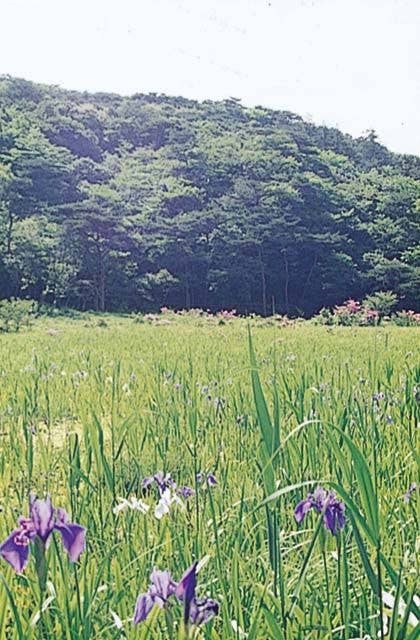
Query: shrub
{"type": "Point", "coordinates": [407, 318]}
{"type": "Point", "coordinates": [348, 313]}
{"type": "Point", "coordinates": [369, 316]}
{"type": "Point", "coordinates": [374, 308]}
{"type": "Point", "coordinates": [15, 314]}
{"type": "Point", "coordinates": [383, 302]}
{"type": "Point", "coordinates": [324, 316]}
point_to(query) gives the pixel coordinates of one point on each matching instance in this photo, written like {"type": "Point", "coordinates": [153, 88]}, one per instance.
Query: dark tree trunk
{"type": "Point", "coordinates": [9, 234]}
{"type": "Point", "coordinates": [263, 284]}
{"type": "Point", "coordinates": [102, 288]}
{"type": "Point", "coordinates": [286, 282]}
{"type": "Point", "coordinates": [308, 279]}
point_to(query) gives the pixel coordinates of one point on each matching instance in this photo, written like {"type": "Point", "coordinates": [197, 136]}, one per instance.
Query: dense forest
{"type": "Point", "coordinates": [132, 203]}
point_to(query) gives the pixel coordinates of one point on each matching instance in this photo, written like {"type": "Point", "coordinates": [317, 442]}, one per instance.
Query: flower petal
{"type": "Point", "coordinates": [162, 508]}
{"type": "Point", "coordinates": [211, 480]}
{"type": "Point", "coordinates": [17, 555]}
{"type": "Point", "coordinates": [73, 537]}
{"type": "Point", "coordinates": [121, 506]}
{"type": "Point", "coordinates": [147, 482]}
{"type": "Point", "coordinates": [42, 515]}
{"type": "Point", "coordinates": [186, 492]}
{"type": "Point", "coordinates": [202, 610]}
{"type": "Point", "coordinates": [319, 498]}
{"type": "Point", "coordinates": [144, 605]}
{"type": "Point", "coordinates": [162, 585]}
{"type": "Point", "coordinates": [302, 509]}
{"type": "Point", "coordinates": [138, 505]}
{"type": "Point", "coordinates": [334, 517]}
{"type": "Point", "coordinates": [185, 589]}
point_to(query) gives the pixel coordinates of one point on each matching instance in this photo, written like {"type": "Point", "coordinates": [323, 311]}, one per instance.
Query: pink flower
{"type": "Point", "coordinates": [352, 306]}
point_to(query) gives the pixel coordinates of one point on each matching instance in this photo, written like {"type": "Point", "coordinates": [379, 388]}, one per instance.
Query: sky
{"type": "Point", "coordinates": [353, 64]}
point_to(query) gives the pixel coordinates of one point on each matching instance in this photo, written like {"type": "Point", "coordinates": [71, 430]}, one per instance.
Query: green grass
{"type": "Point", "coordinates": [86, 411]}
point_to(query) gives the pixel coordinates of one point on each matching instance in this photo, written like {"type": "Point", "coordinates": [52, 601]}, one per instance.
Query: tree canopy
{"type": "Point", "coordinates": [131, 203]}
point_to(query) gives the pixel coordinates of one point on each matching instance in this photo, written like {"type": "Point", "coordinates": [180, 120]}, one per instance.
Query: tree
{"type": "Point", "coordinates": [111, 202]}
{"type": "Point", "coordinates": [95, 230]}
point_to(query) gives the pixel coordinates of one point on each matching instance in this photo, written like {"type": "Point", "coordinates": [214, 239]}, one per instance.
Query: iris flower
{"type": "Point", "coordinates": [162, 587]}
{"type": "Point", "coordinates": [324, 502]}
{"type": "Point", "coordinates": [202, 610]}
{"type": "Point", "coordinates": [169, 492]}
{"type": "Point", "coordinates": [209, 478]}
{"type": "Point", "coordinates": [43, 520]}
{"type": "Point", "coordinates": [185, 492]}
{"type": "Point", "coordinates": [167, 499]}
{"type": "Point", "coordinates": [163, 482]}
{"type": "Point", "coordinates": [197, 611]}
{"type": "Point", "coordinates": [408, 494]}
{"type": "Point", "coordinates": [132, 503]}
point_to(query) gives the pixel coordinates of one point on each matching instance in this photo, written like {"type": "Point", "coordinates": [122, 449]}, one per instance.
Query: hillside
{"type": "Point", "coordinates": [127, 203]}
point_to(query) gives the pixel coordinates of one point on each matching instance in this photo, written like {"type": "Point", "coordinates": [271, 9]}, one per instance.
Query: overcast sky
{"type": "Point", "coordinates": [354, 64]}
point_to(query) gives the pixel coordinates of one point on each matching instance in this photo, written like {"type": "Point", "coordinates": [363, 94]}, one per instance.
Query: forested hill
{"type": "Point", "coordinates": [122, 203]}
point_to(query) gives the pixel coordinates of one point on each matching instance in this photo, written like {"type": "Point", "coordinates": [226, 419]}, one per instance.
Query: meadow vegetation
{"type": "Point", "coordinates": [91, 409]}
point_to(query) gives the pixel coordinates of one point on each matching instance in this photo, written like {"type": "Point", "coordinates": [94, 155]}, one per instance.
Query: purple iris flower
{"type": "Point", "coordinates": [210, 478]}
{"type": "Point", "coordinates": [147, 482]}
{"type": "Point", "coordinates": [319, 497]}
{"type": "Point", "coordinates": [187, 584]}
{"type": "Point", "coordinates": [202, 610]}
{"type": "Point", "coordinates": [185, 492]}
{"type": "Point", "coordinates": [197, 611]}
{"type": "Point", "coordinates": [162, 480]}
{"type": "Point", "coordinates": [161, 588]}
{"type": "Point", "coordinates": [324, 502]}
{"type": "Point", "coordinates": [334, 516]}
{"type": "Point", "coordinates": [42, 521]}
{"type": "Point", "coordinates": [185, 590]}
{"type": "Point", "coordinates": [302, 509]}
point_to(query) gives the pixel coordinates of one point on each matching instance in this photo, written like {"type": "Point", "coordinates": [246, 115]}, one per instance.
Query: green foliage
{"type": "Point", "coordinates": [371, 311]}
{"type": "Point", "coordinates": [15, 314]}
{"type": "Point", "coordinates": [407, 318]}
{"type": "Point", "coordinates": [90, 406]}
{"type": "Point", "coordinates": [324, 316]}
{"type": "Point", "coordinates": [246, 208]}
{"type": "Point", "coordinates": [157, 285]}
{"type": "Point", "coordinates": [383, 302]}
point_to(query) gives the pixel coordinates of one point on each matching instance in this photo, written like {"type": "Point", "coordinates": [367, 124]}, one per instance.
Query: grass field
{"type": "Point", "coordinates": [89, 408]}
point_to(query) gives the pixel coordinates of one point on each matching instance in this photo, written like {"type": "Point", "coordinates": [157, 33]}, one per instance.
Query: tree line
{"type": "Point", "coordinates": [132, 203]}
